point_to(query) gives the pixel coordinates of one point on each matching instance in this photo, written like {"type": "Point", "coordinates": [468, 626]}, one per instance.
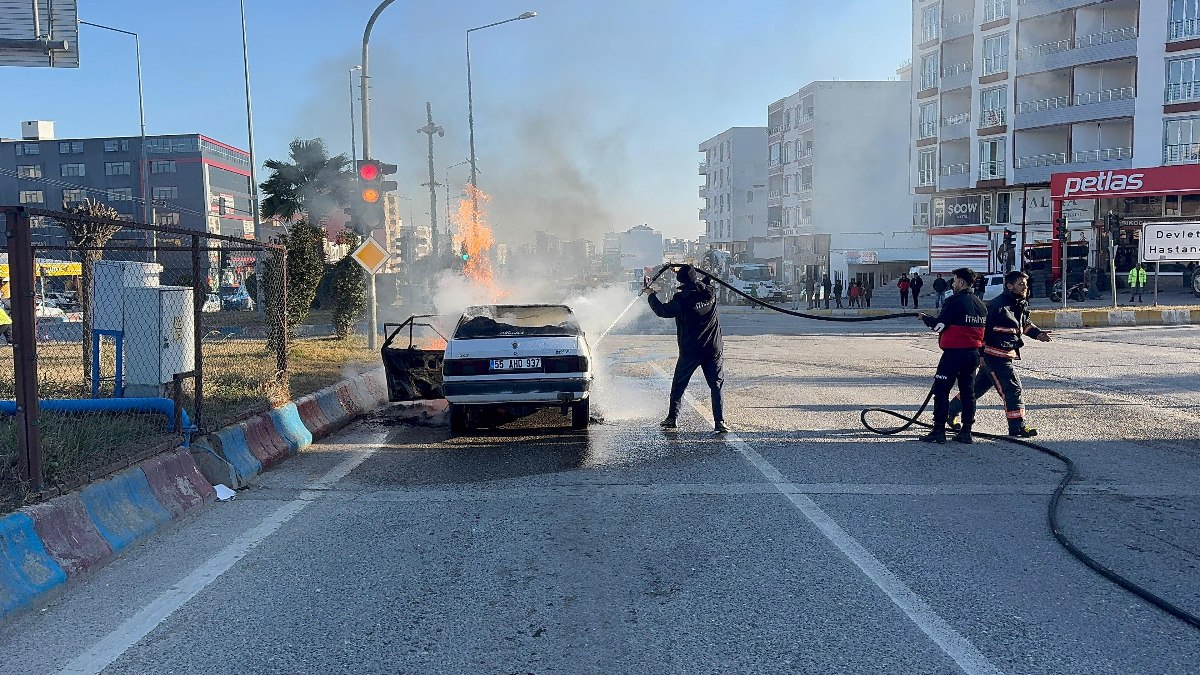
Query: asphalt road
{"type": "Point", "coordinates": [800, 543]}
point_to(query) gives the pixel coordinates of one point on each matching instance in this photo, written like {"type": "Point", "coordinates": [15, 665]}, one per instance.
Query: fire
{"type": "Point", "coordinates": [475, 237]}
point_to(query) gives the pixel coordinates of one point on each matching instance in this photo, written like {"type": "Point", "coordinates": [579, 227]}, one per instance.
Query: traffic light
{"type": "Point", "coordinates": [1008, 238]}
{"type": "Point", "coordinates": [1114, 225]}
{"type": "Point", "coordinates": [1061, 228]}
{"type": "Point", "coordinates": [371, 186]}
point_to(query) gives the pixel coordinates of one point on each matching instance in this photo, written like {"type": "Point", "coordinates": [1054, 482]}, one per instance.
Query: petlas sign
{"type": "Point", "coordinates": [1126, 182]}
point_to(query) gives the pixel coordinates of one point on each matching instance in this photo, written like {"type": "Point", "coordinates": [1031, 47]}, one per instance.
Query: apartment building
{"type": "Point", "coordinates": [735, 187]}
{"type": "Point", "coordinates": [1007, 93]}
{"type": "Point", "coordinates": [838, 193]}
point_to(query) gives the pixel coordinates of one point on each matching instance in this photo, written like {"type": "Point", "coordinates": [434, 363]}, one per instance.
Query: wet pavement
{"type": "Point", "coordinates": [800, 543]}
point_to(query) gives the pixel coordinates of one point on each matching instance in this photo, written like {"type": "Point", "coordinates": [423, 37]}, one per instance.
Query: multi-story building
{"type": "Point", "coordinates": [193, 183]}
{"type": "Point", "coordinates": [1009, 92]}
{"type": "Point", "coordinates": [734, 190]}
{"type": "Point", "coordinates": [838, 193]}
{"type": "Point", "coordinates": [640, 247]}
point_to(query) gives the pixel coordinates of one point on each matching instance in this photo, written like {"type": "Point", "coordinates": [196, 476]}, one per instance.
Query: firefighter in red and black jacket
{"type": "Point", "coordinates": [960, 335]}
{"type": "Point", "coordinates": [1007, 321]}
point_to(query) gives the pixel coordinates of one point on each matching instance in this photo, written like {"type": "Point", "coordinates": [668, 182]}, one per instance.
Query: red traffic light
{"type": "Point", "coordinates": [368, 171]}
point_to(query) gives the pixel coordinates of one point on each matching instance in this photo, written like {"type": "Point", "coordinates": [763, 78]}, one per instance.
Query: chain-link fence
{"type": "Point", "coordinates": [125, 339]}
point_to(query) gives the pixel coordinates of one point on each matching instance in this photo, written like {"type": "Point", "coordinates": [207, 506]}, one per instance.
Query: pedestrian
{"type": "Point", "coordinates": [1189, 277]}
{"type": "Point", "coordinates": [1007, 321]}
{"type": "Point", "coordinates": [902, 284]}
{"type": "Point", "coordinates": [960, 335]}
{"type": "Point", "coordinates": [915, 285]}
{"type": "Point", "coordinates": [754, 295]}
{"type": "Point", "coordinates": [854, 292]}
{"type": "Point", "coordinates": [867, 290]}
{"type": "Point", "coordinates": [837, 292]}
{"type": "Point", "coordinates": [1090, 278]}
{"type": "Point", "coordinates": [826, 289]}
{"type": "Point", "coordinates": [698, 332]}
{"type": "Point", "coordinates": [939, 291]}
{"type": "Point", "coordinates": [1136, 281]}
{"type": "Point", "coordinates": [5, 326]}
{"type": "Point", "coordinates": [810, 289]}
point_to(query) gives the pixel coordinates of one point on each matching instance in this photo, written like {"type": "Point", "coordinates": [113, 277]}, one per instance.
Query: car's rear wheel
{"type": "Point", "coordinates": [1196, 283]}
{"type": "Point", "coordinates": [581, 413]}
{"type": "Point", "coordinates": [458, 418]}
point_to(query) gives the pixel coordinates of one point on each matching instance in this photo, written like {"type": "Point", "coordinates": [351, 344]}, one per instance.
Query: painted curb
{"type": "Point", "coordinates": [287, 422]}
{"type": "Point", "coordinates": [1107, 317]}
{"type": "Point", "coordinates": [26, 570]}
{"type": "Point", "coordinates": [69, 535]}
{"type": "Point", "coordinates": [230, 445]}
{"type": "Point", "coordinates": [264, 441]}
{"type": "Point", "coordinates": [176, 482]}
{"type": "Point", "coordinates": [123, 508]}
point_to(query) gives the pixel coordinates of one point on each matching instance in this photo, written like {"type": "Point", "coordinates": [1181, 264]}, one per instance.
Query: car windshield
{"type": "Point", "coordinates": [753, 273]}
{"type": "Point", "coordinates": [491, 321]}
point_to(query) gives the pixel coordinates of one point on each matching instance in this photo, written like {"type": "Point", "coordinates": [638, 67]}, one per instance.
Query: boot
{"type": "Point", "coordinates": [964, 435]}
{"type": "Point", "coordinates": [722, 428]}
{"type": "Point", "coordinates": [1019, 429]}
{"type": "Point", "coordinates": [668, 423]}
{"type": "Point", "coordinates": [936, 435]}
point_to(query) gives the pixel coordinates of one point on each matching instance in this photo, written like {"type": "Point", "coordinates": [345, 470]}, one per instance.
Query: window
{"type": "Point", "coordinates": [992, 104]}
{"type": "Point", "coordinates": [171, 192]}
{"type": "Point", "coordinates": [926, 167]}
{"type": "Point", "coordinates": [994, 10]}
{"type": "Point", "coordinates": [991, 159]}
{"type": "Point", "coordinates": [1183, 81]}
{"type": "Point", "coordinates": [995, 54]}
{"type": "Point", "coordinates": [116, 145]}
{"type": "Point", "coordinates": [1181, 144]}
{"type": "Point", "coordinates": [72, 196]}
{"type": "Point", "coordinates": [162, 166]}
{"type": "Point", "coordinates": [29, 171]}
{"type": "Point", "coordinates": [166, 219]}
{"type": "Point", "coordinates": [921, 216]}
{"type": "Point", "coordinates": [773, 157]}
{"type": "Point", "coordinates": [931, 23]}
{"type": "Point", "coordinates": [31, 197]}
{"type": "Point", "coordinates": [749, 196]}
{"type": "Point", "coordinates": [116, 168]}
{"type": "Point", "coordinates": [120, 194]}
{"type": "Point", "coordinates": [1184, 21]}
{"type": "Point", "coordinates": [70, 147]}
{"type": "Point", "coordinates": [29, 149]}
{"type": "Point", "coordinates": [928, 125]}
{"type": "Point", "coordinates": [929, 71]}
{"type": "Point", "coordinates": [73, 170]}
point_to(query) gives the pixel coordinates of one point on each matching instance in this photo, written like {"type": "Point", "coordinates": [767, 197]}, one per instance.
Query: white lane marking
{"type": "Point", "coordinates": [109, 648]}
{"type": "Point", "coordinates": [951, 641]}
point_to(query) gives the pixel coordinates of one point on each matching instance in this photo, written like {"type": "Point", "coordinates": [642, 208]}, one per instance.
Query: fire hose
{"type": "Point", "coordinates": [1056, 497]}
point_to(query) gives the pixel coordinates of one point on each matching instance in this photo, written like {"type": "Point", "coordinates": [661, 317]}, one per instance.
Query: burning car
{"type": "Point", "coordinates": [517, 357]}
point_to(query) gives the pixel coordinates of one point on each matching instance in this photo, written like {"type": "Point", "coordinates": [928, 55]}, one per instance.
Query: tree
{"type": "Point", "coordinates": [349, 288]}
{"type": "Point", "coordinates": [305, 191]}
{"type": "Point", "coordinates": [90, 236]}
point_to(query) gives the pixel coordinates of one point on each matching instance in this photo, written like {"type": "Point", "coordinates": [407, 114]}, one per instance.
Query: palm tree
{"type": "Point", "coordinates": [310, 187]}
{"type": "Point", "coordinates": [90, 236]}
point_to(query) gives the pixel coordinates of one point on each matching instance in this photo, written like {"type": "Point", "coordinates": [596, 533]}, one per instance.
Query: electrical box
{"type": "Point", "coordinates": [110, 281]}
{"type": "Point", "coordinates": [159, 338]}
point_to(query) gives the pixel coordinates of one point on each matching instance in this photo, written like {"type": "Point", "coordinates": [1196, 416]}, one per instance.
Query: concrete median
{"type": "Point", "coordinates": [1101, 317]}
{"type": "Point", "coordinates": [27, 571]}
{"type": "Point", "coordinates": [69, 534]}
{"type": "Point", "coordinates": [124, 508]}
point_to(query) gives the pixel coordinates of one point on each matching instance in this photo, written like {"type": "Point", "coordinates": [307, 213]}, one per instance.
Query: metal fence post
{"type": "Point", "coordinates": [24, 316]}
{"type": "Point", "coordinates": [198, 298]}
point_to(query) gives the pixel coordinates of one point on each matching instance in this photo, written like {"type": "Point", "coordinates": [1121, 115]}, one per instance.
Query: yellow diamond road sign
{"type": "Point", "coordinates": [371, 255]}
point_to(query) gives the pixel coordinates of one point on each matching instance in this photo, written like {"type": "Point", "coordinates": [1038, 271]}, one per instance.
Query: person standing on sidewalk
{"type": "Point", "coordinates": [1136, 281]}
{"type": "Point", "coordinates": [5, 326]}
{"type": "Point", "coordinates": [853, 293]}
{"type": "Point", "coordinates": [915, 286]}
{"type": "Point", "coordinates": [1007, 321]}
{"type": "Point", "coordinates": [939, 291]}
{"type": "Point", "coordinates": [810, 289]}
{"type": "Point", "coordinates": [867, 290]}
{"type": "Point", "coordinates": [902, 284]}
{"type": "Point", "coordinates": [826, 289]}
{"type": "Point", "coordinates": [1090, 276]}
{"type": "Point", "coordinates": [837, 292]}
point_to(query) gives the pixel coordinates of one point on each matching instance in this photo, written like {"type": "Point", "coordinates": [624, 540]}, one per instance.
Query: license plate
{"type": "Point", "coordinates": [534, 363]}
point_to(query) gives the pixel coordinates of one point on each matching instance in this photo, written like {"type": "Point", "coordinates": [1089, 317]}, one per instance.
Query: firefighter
{"type": "Point", "coordinates": [1007, 321]}
{"type": "Point", "coordinates": [960, 335]}
{"type": "Point", "coordinates": [698, 331]}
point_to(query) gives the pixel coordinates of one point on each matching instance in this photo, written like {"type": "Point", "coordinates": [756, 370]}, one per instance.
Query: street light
{"type": "Point", "coordinates": [353, 149]}
{"type": "Point", "coordinates": [446, 171]}
{"type": "Point", "coordinates": [471, 105]}
{"type": "Point", "coordinates": [137, 44]}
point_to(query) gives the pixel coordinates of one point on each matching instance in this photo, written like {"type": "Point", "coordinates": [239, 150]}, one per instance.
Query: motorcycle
{"type": "Point", "coordinates": [1078, 292]}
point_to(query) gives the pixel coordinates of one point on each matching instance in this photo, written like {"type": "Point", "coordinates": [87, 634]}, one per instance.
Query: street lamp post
{"type": "Point", "coordinates": [446, 171]}
{"type": "Point", "coordinates": [137, 44]}
{"type": "Point", "coordinates": [471, 105]}
{"type": "Point", "coordinates": [353, 148]}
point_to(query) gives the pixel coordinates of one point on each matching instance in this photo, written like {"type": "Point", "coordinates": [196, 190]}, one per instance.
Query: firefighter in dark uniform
{"type": "Point", "coordinates": [960, 335]}
{"type": "Point", "coordinates": [698, 332]}
{"type": "Point", "coordinates": [1007, 321]}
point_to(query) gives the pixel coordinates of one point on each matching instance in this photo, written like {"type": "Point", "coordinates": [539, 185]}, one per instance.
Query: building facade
{"type": "Point", "coordinates": [193, 182]}
{"type": "Point", "coordinates": [735, 187]}
{"type": "Point", "coordinates": [839, 196]}
{"type": "Point", "coordinates": [1007, 93]}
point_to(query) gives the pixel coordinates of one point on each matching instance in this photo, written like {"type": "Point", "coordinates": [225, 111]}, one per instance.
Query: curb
{"type": "Point", "coordinates": [1101, 318]}
{"type": "Point", "coordinates": [45, 545]}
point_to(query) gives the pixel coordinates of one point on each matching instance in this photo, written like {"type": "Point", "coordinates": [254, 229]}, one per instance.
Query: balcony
{"type": "Point", "coordinates": [957, 76]}
{"type": "Point", "coordinates": [703, 190]}
{"type": "Point", "coordinates": [1186, 153]}
{"type": "Point", "coordinates": [955, 127]}
{"type": "Point", "coordinates": [1032, 8]}
{"type": "Point", "coordinates": [1186, 29]}
{"type": "Point", "coordinates": [955, 176]}
{"type": "Point", "coordinates": [926, 178]}
{"type": "Point", "coordinates": [703, 213]}
{"type": "Point", "coordinates": [805, 157]}
{"type": "Point", "coordinates": [774, 198]}
{"type": "Point", "coordinates": [804, 187]}
{"type": "Point", "coordinates": [957, 25]}
{"type": "Point", "coordinates": [992, 118]}
{"type": "Point", "coordinates": [1093, 105]}
{"type": "Point", "coordinates": [1101, 155]}
{"type": "Point", "coordinates": [1120, 43]}
{"type": "Point", "coordinates": [995, 64]}
{"type": "Point", "coordinates": [927, 130]}
{"type": "Point", "coordinates": [703, 168]}
{"type": "Point", "coordinates": [1183, 92]}
{"type": "Point", "coordinates": [991, 170]}
{"type": "Point", "coordinates": [775, 169]}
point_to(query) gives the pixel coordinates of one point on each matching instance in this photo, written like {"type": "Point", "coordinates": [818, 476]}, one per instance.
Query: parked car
{"type": "Point", "coordinates": [236, 299]}
{"type": "Point", "coordinates": [993, 286]}
{"type": "Point", "coordinates": [212, 303]}
{"type": "Point", "coordinates": [516, 358]}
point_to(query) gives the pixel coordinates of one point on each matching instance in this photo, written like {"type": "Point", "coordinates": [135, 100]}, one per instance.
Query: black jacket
{"type": "Point", "coordinates": [939, 285]}
{"type": "Point", "coordinates": [697, 328]}
{"type": "Point", "coordinates": [963, 316]}
{"type": "Point", "coordinates": [1007, 321]}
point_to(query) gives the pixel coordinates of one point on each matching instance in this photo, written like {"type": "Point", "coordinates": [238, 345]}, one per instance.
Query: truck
{"type": "Point", "coordinates": [757, 276]}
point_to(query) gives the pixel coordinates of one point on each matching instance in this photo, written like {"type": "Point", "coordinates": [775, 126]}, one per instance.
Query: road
{"type": "Point", "coordinates": [800, 543]}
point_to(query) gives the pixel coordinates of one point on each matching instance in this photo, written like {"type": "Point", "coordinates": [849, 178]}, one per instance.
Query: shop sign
{"type": "Point", "coordinates": [1183, 179]}
{"type": "Point", "coordinates": [862, 257]}
{"type": "Point", "coordinates": [1170, 242]}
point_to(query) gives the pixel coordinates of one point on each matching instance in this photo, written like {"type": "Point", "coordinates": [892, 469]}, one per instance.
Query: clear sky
{"type": "Point", "coordinates": [587, 117]}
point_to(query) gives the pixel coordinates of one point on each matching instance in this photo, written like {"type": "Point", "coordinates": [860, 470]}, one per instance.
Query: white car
{"type": "Point", "coordinates": [517, 357]}
{"type": "Point", "coordinates": [993, 286]}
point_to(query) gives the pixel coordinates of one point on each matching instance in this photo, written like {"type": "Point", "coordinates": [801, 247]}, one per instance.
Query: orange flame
{"type": "Point", "coordinates": [475, 237]}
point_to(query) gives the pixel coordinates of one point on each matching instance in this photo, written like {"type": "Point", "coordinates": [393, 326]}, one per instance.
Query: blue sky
{"type": "Point", "coordinates": [587, 117]}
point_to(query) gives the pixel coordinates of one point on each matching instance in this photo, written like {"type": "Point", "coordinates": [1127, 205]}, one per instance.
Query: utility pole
{"type": "Point", "coordinates": [365, 84]}
{"type": "Point", "coordinates": [429, 130]}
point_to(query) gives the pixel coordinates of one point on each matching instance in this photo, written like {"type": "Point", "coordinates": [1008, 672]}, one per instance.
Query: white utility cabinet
{"type": "Point", "coordinates": [110, 281]}
{"type": "Point", "coordinates": [159, 341]}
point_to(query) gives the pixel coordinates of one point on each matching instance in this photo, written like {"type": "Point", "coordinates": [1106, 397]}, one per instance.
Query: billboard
{"type": "Point", "coordinates": [39, 33]}
{"type": "Point", "coordinates": [1170, 242]}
